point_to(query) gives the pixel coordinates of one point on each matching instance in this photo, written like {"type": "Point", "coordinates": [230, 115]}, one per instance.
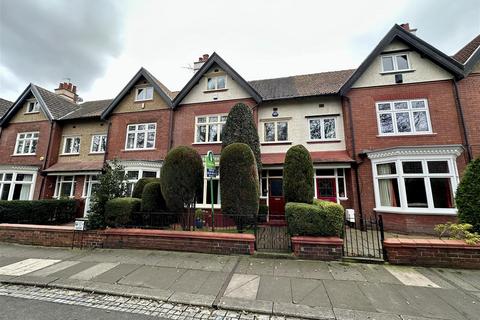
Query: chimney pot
{"type": "Point", "coordinates": [74, 89]}
{"type": "Point", "coordinates": [206, 56]}
{"type": "Point", "coordinates": [406, 26]}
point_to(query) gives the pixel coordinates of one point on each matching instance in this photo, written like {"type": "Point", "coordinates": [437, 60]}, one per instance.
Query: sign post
{"type": "Point", "coordinates": [211, 172]}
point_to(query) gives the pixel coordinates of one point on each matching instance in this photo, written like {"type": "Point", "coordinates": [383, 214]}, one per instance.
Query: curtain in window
{"type": "Point", "coordinates": [388, 196]}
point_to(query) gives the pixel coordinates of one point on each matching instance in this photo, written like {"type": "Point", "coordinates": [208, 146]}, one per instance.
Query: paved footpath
{"type": "Point", "coordinates": [247, 285]}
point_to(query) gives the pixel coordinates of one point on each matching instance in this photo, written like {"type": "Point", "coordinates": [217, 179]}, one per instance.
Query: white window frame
{"type": "Point", "coordinates": [215, 78]}
{"type": "Point", "coordinates": [335, 176]}
{"type": "Point", "coordinates": [146, 88]}
{"type": "Point", "coordinates": [13, 182]}
{"type": "Point", "coordinates": [70, 152]}
{"type": "Point", "coordinates": [395, 63]}
{"type": "Point", "coordinates": [400, 176]}
{"type": "Point", "coordinates": [410, 112]}
{"type": "Point", "coordinates": [220, 124]}
{"type": "Point", "coordinates": [206, 186]}
{"type": "Point", "coordinates": [140, 171]}
{"type": "Point", "coordinates": [61, 180]}
{"type": "Point", "coordinates": [137, 131]}
{"type": "Point", "coordinates": [32, 133]}
{"type": "Point", "coordinates": [36, 106]}
{"type": "Point", "coordinates": [275, 121]}
{"type": "Point", "coordinates": [103, 136]}
{"type": "Point", "coordinates": [322, 128]}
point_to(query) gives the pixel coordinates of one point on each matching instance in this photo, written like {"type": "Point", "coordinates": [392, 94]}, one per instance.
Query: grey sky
{"type": "Point", "coordinates": [101, 44]}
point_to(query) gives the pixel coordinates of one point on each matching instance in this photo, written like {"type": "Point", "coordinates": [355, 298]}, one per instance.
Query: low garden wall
{"type": "Point", "coordinates": [432, 252]}
{"type": "Point", "coordinates": [192, 241]}
{"type": "Point", "coordinates": [317, 248]}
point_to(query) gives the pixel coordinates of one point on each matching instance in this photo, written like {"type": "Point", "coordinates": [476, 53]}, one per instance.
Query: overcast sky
{"type": "Point", "coordinates": [100, 44]}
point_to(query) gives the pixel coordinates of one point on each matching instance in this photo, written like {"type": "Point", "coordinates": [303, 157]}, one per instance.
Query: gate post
{"type": "Point", "coordinates": [382, 236]}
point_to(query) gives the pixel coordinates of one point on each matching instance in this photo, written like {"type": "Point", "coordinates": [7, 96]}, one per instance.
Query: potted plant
{"type": "Point", "coordinates": [199, 219]}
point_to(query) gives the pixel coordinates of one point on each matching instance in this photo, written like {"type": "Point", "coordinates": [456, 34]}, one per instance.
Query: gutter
{"type": "Point", "coordinates": [458, 104]}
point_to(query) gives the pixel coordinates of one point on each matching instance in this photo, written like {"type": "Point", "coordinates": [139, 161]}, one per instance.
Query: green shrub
{"type": "Point", "coordinates": [38, 211]}
{"type": "Point", "coordinates": [240, 128]}
{"type": "Point", "coordinates": [119, 211]}
{"type": "Point", "coordinates": [239, 183]}
{"type": "Point", "coordinates": [298, 175]}
{"type": "Point", "coordinates": [262, 213]}
{"type": "Point", "coordinates": [322, 218]}
{"type": "Point", "coordinates": [138, 188]}
{"type": "Point", "coordinates": [152, 199]}
{"type": "Point", "coordinates": [468, 196]}
{"type": "Point", "coordinates": [458, 231]}
{"type": "Point", "coordinates": [182, 176]}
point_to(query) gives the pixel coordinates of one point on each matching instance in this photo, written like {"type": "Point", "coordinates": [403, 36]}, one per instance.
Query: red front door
{"type": "Point", "coordinates": [276, 202]}
{"type": "Point", "coordinates": [326, 189]}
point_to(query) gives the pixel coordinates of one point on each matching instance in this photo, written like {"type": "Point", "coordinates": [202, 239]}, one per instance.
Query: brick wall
{"type": "Point", "coordinates": [469, 93]}
{"type": "Point", "coordinates": [414, 223]}
{"type": "Point", "coordinates": [318, 248]}
{"type": "Point", "coordinates": [432, 253]}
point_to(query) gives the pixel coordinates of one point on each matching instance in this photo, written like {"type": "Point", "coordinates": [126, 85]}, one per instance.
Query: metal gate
{"type": "Point", "coordinates": [364, 238]}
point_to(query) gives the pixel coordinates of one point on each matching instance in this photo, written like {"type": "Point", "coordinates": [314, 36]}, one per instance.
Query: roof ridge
{"type": "Point", "coordinates": [306, 74]}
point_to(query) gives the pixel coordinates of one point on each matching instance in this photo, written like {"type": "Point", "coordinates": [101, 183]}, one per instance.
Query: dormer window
{"type": "Point", "coordinates": [216, 83]}
{"type": "Point", "coordinates": [397, 62]}
{"type": "Point", "coordinates": [33, 107]}
{"type": "Point", "coordinates": [144, 94]}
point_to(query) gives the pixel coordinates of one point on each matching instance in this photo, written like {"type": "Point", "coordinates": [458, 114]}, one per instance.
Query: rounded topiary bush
{"type": "Point", "coordinates": [152, 198]}
{"type": "Point", "coordinates": [240, 128]}
{"type": "Point", "coordinates": [467, 197]}
{"type": "Point", "coordinates": [298, 175]}
{"type": "Point", "coordinates": [322, 218]}
{"type": "Point", "coordinates": [119, 211]}
{"type": "Point", "coordinates": [138, 188]}
{"type": "Point", "coordinates": [239, 183]}
{"type": "Point", "coordinates": [182, 176]}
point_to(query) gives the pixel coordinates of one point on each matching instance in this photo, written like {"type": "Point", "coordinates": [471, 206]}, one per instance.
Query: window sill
{"type": "Point", "coordinates": [141, 101]}
{"type": "Point", "coordinates": [95, 153]}
{"type": "Point", "coordinates": [419, 211]}
{"type": "Point", "coordinates": [206, 143]}
{"type": "Point", "coordinates": [69, 154]}
{"type": "Point", "coordinates": [35, 112]}
{"type": "Point", "coordinates": [272, 143]}
{"type": "Point", "coordinates": [406, 135]}
{"type": "Point", "coordinates": [208, 206]}
{"type": "Point", "coordinates": [24, 155]}
{"type": "Point", "coordinates": [137, 150]}
{"type": "Point", "coordinates": [323, 141]}
{"type": "Point", "coordinates": [215, 90]}
{"type": "Point", "coordinates": [397, 71]}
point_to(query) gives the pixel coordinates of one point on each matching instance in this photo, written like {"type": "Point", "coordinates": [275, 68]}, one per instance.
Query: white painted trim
{"type": "Point", "coordinates": [64, 152]}
{"type": "Point", "coordinates": [216, 76]}
{"type": "Point", "coordinates": [322, 129]}
{"type": "Point", "coordinates": [275, 122]}
{"type": "Point", "coordinates": [15, 153]}
{"type": "Point", "coordinates": [136, 132]}
{"type": "Point", "coordinates": [143, 87]}
{"type": "Point", "coordinates": [91, 142]}
{"type": "Point", "coordinates": [207, 124]}
{"type": "Point", "coordinates": [395, 64]}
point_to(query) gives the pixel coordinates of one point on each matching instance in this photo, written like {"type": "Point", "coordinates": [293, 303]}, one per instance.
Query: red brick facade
{"type": "Point", "coordinates": [318, 248]}
{"type": "Point", "coordinates": [469, 92]}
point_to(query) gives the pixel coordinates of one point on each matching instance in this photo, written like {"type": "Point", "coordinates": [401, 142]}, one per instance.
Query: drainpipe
{"type": "Point", "coordinates": [458, 104]}
{"type": "Point", "coordinates": [44, 165]}
{"type": "Point", "coordinates": [170, 130]}
{"type": "Point", "coordinates": [354, 152]}
{"type": "Point", "coordinates": [108, 142]}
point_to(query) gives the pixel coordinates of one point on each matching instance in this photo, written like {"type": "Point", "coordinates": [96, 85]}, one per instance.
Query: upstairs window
{"type": "Point", "coordinates": [275, 131]}
{"type": "Point", "coordinates": [99, 143]}
{"type": "Point", "coordinates": [141, 136]}
{"type": "Point", "coordinates": [322, 128]}
{"type": "Point", "coordinates": [398, 62]}
{"type": "Point", "coordinates": [403, 117]}
{"type": "Point", "coordinates": [33, 107]}
{"type": "Point", "coordinates": [144, 94]}
{"type": "Point", "coordinates": [26, 143]}
{"type": "Point", "coordinates": [209, 128]}
{"type": "Point", "coordinates": [216, 83]}
{"type": "Point", "coordinates": [71, 145]}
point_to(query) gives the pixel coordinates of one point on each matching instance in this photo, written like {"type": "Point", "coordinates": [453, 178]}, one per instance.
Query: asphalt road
{"type": "Point", "coordinates": [25, 309]}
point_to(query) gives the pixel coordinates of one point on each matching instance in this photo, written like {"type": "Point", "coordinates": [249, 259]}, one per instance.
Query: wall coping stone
{"type": "Point", "coordinates": [429, 243]}
{"type": "Point", "coordinates": [33, 227]}
{"type": "Point", "coordinates": [317, 240]}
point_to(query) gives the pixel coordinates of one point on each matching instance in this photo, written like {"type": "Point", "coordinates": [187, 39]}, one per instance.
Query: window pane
{"type": "Point", "coordinates": [325, 172]}
{"type": "Point", "coordinates": [416, 193]}
{"type": "Point", "coordinates": [441, 192]}
{"type": "Point", "coordinates": [150, 139]}
{"type": "Point", "coordinates": [20, 146]}
{"type": "Point", "coordinates": [221, 82]}
{"type": "Point", "coordinates": [276, 187]}
{"type": "Point", "coordinates": [329, 128]}
{"type": "Point", "coordinates": [199, 193]}
{"type": "Point", "coordinates": [223, 118]}
{"type": "Point", "coordinates": [438, 167]}
{"type": "Point", "coordinates": [8, 177]}
{"type": "Point", "coordinates": [269, 131]}
{"type": "Point", "coordinates": [24, 177]}
{"type": "Point", "coordinates": [388, 191]}
{"type": "Point", "coordinates": [149, 174]}
{"type": "Point", "coordinates": [140, 94]}
{"type": "Point", "coordinates": [140, 140]}
{"type": "Point", "coordinates": [341, 187]}
{"type": "Point", "coordinates": [419, 104]}
{"type": "Point", "coordinates": [386, 168]}
{"type": "Point", "coordinates": [213, 119]}
{"type": "Point", "coordinates": [275, 173]}
{"type": "Point", "coordinates": [26, 147]}
{"type": "Point", "coordinates": [213, 133]}
{"type": "Point", "coordinates": [96, 143]}
{"type": "Point", "coordinates": [76, 145]}
{"type": "Point", "coordinates": [421, 122]}
{"type": "Point", "coordinates": [130, 141]}
{"type": "Point", "coordinates": [401, 105]}
{"type": "Point", "coordinates": [148, 93]}
{"type": "Point", "coordinates": [264, 188]}
{"type": "Point", "coordinates": [315, 130]}
{"type": "Point", "coordinates": [215, 192]}
{"type": "Point", "coordinates": [403, 122]}
{"type": "Point", "coordinates": [211, 84]}
{"type": "Point", "coordinates": [412, 167]}
{"type": "Point", "coordinates": [386, 123]}
{"type": "Point", "coordinates": [5, 191]}
{"type": "Point", "coordinates": [282, 128]}
{"type": "Point", "coordinates": [68, 145]}
{"type": "Point", "coordinates": [151, 126]}
{"type": "Point", "coordinates": [131, 128]}
{"type": "Point", "coordinates": [141, 127]}
{"type": "Point", "coordinates": [387, 63]}
{"type": "Point", "coordinates": [383, 106]}
{"type": "Point", "coordinates": [201, 120]}
{"type": "Point", "coordinates": [201, 133]}
{"type": "Point", "coordinates": [65, 189]}
{"type": "Point", "coordinates": [326, 187]}
{"type": "Point", "coordinates": [402, 62]}
{"type": "Point", "coordinates": [132, 175]}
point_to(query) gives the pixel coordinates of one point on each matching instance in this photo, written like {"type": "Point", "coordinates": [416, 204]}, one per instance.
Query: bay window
{"type": "Point", "coordinates": [403, 117]}
{"type": "Point", "coordinates": [141, 136]}
{"type": "Point", "coordinates": [135, 174]}
{"type": "Point", "coordinates": [16, 185]}
{"type": "Point", "coordinates": [208, 128]}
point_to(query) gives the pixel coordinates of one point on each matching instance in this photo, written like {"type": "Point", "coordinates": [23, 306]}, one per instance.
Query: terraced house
{"type": "Point", "coordinates": [391, 137]}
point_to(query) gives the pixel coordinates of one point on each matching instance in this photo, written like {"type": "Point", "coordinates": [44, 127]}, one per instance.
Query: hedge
{"type": "Point", "coordinates": [467, 198]}
{"type": "Point", "coordinates": [298, 175]}
{"type": "Point", "coordinates": [322, 218]}
{"type": "Point", "coordinates": [38, 211]}
{"type": "Point", "coordinates": [138, 188]}
{"type": "Point", "coordinates": [152, 199]}
{"type": "Point", "coordinates": [119, 211]}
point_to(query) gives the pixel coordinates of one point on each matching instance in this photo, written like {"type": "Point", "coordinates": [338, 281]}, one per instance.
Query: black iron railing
{"type": "Point", "coordinates": [364, 239]}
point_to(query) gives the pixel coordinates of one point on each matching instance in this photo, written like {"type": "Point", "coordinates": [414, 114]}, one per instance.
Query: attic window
{"type": "Point", "coordinates": [394, 63]}
{"type": "Point", "coordinates": [33, 107]}
{"type": "Point", "coordinates": [216, 83]}
{"type": "Point", "coordinates": [143, 94]}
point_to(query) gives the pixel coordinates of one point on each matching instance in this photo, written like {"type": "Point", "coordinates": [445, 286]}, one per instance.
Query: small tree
{"type": "Point", "coordinates": [298, 175]}
{"type": "Point", "coordinates": [182, 176]}
{"type": "Point", "coordinates": [239, 183]}
{"type": "Point", "coordinates": [152, 198]}
{"type": "Point", "coordinates": [240, 128]}
{"type": "Point", "coordinates": [111, 185]}
{"type": "Point", "coordinates": [468, 196]}
{"type": "Point", "coordinates": [141, 183]}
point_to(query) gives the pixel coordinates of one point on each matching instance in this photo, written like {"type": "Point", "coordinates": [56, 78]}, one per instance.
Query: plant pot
{"type": "Point", "coordinates": [198, 223]}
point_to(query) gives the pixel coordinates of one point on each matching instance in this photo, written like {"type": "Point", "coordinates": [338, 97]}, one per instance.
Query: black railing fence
{"type": "Point", "coordinates": [364, 238]}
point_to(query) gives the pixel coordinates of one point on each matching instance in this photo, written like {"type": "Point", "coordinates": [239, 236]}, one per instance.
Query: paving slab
{"type": "Point", "coordinates": [4, 261]}
{"type": "Point", "coordinates": [74, 269]}
{"type": "Point", "coordinates": [69, 284]}
{"type": "Point", "coordinates": [246, 305]}
{"type": "Point", "coordinates": [32, 280]}
{"type": "Point", "coordinates": [149, 293]}
{"type": "Point", "coordinates": [435, 277]}
{"type": "Point", "coordinates": [347, 295]}
{"type": "Point", "coordinates": [26, 266]}
{"type": "Point", "coordinates": [467, 305]}
{"type": "Point", "coordinates": [345, 271]}
{"type": "Point", "coordinates": [192, 299]}
{"type": "Point", "coordinates": [411, 277]}
{"type": "Point", "coordinates": [309, 292]}
{"type": "Point", "coordinates": [343, 314]}
{"type": "Point", "coordinates": [118, 272]}
{"type": "Point", "coordinates": [256, 266]}
{"type": "Point", "coordinates": [287, 268]}
{"type": "Point", "coordinates": [276, 289]}
{"type": "Point", "coordinates": [54, 268]}
{"type": "Point", "coordinates": [453, 277]}
{"type": "Point", "coordinates": [407, 317]}
{"type": "Point", "coordinates": [213, 284]}
{"type": "Point", "coordinates": [95, 270]}
{"type": "Point", "coordinates": [244, 286]}
{"type": "Point", "coordinates": [190, 281]}
{"type": "Point", "coordinates": [25, 252]}
{"type": "Point", "coordinates": [377, 273]}
{"type": "Point", "coordinates": [295, 310]}
{"type": "Point", "coordinates": [470, 276]}
{"type": "Point", "coordinates": [152, 277]}
{"type": "Point", "coordinates": [315, 270]}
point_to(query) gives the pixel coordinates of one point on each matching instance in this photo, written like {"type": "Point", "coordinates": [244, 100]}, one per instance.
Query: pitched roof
{"type": "Point", "coordinates": [76, 166]}
{"type": "Point", "coordinates": [315, 84]}
{"type": "Point", "coordinates": [466, 52]}
{"type": "Point", "coordinates": [215, 59]}
{"type": "Point", "coordinates": [88, 109]}
{"type": "Point", "coordinates": [4, 105]}
{"type": "Point", "coordinates": [415, 43]}
{"type": "Point", "coordinates": [159, 88]}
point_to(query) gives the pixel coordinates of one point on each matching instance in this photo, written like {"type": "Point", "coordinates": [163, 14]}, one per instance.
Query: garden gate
{"type": "Point", "coordinates": [272, 238]}
{"type": "Point", "coordinates": [363, 238]}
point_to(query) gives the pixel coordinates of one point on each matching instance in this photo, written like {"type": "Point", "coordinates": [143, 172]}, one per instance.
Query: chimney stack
{"type": "Point", "coordinates": [406, 27]}
{"type": "Point", "coordinates": [201, 60]}
{"type": "Point", "coordinates": [67, 91]}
